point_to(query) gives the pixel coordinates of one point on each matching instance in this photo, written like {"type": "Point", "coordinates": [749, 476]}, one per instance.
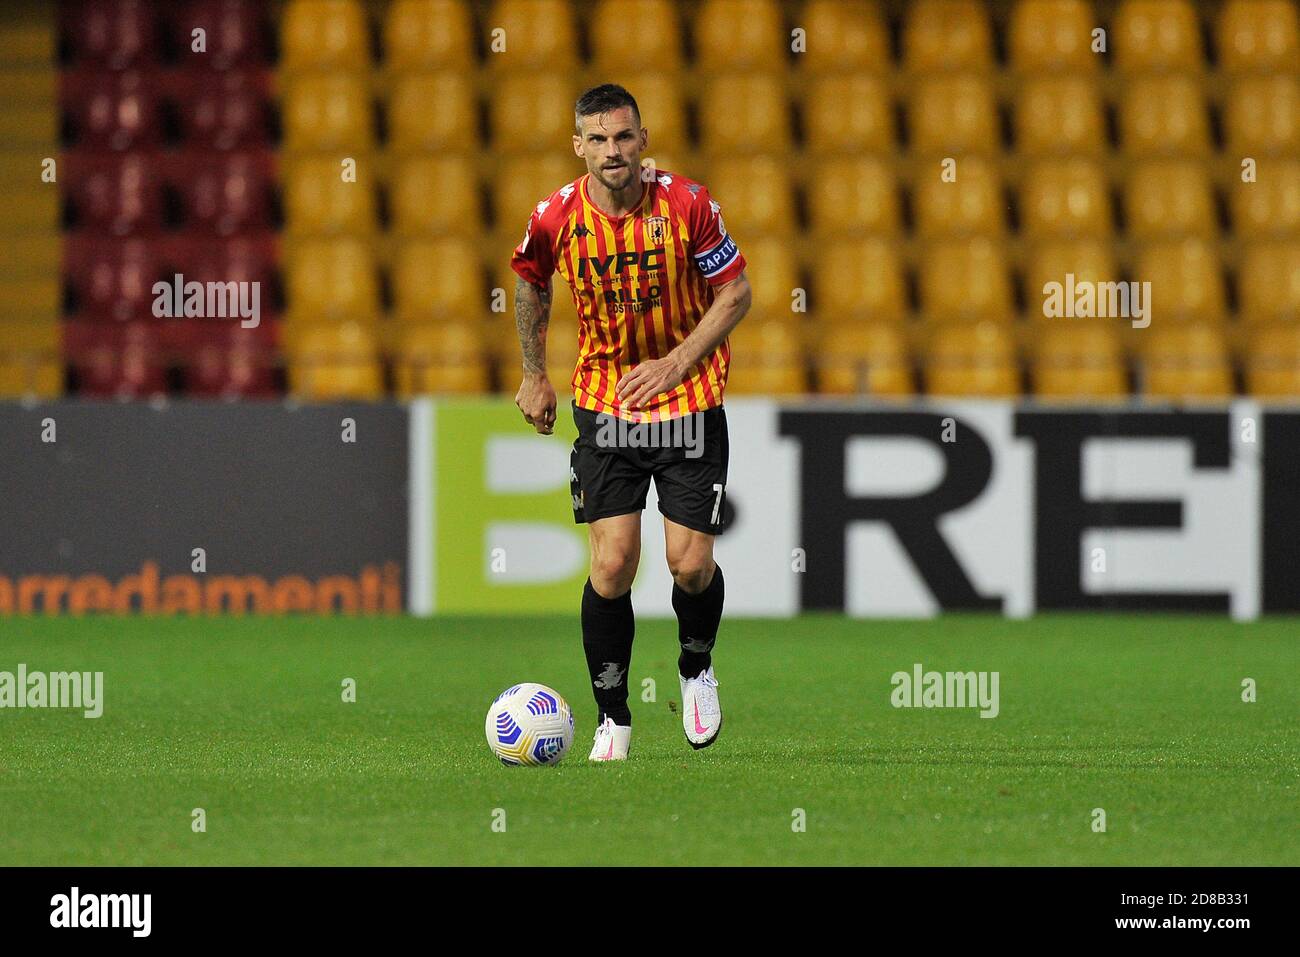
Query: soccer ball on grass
{"type": "Point", "coordinates": [529, 724]}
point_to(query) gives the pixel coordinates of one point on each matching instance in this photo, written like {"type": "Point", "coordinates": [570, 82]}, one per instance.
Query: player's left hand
{"type": "Point", "coordinates": [648, 380]}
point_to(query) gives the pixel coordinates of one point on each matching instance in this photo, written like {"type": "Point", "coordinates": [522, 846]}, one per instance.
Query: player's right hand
{"type": "Point", "coordinates": [536, 400]}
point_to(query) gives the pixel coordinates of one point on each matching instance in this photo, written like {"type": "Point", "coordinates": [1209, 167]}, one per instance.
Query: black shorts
{"type": "Point", "coordinates": [613, 461]}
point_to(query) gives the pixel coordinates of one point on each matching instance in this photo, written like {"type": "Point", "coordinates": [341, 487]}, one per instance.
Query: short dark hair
{"type": "Point", "coordinates": [602, 99]}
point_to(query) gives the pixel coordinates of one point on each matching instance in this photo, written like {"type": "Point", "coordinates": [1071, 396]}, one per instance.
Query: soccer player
{"type": "Point", "coordinates": [658, 285]}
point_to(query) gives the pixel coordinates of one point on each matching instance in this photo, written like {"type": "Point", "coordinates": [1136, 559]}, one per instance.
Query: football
{"type": "Point", "coordinates": [529, 724]}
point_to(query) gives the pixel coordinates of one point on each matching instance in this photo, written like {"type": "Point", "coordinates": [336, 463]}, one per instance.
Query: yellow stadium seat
{"type": "Point", "coordinates": [966, 279]}
{"type": "Point", "coordinates": [31, 361]}
{"type": "Point", "coordinates": [953, 114]}
{"type": "Point", "coordinates": [30, 297]}
{"type": "Point", "coordinates": [663, 111]}
{"type": "Point", "coordinates": [844, 36]}
{"type": "Point", "coordinates": [1170, 198]}
{"type": "Point", "coordinates": [1059, 114]}
{"type": "Point", "coordinates": [31, 253]}
{"type": "Point", "coordinates": [1268, 282]}
{"type": "Point", "coordinates": [849, 111]}
{"type": "Point", "coordinates": [746, 113]}
{"type": "Point", "coordinates": [328, 111]}
{"type": "Point", "coordinates": [756, 196]}
{"type": "Point", "coordinates": [438, 280]}
{"type": "Point", "coordinates": [654, 24]}
{"type": "Point", "coordinates": [773, 275]}
{"type": "Point", "coordinates": [1186, 280]}
{"type": "Point", "coordinates": [972, 204]}
{"type": "Point", "coordinates": [1054, 260]}
{"type": "Point", "coordinates": [1051, 36]}
{"type": "Point", "coordinates": [428, 35]}
{"type": "Point", "coordinates": [739, 35]}
{"type": "Point", "coordinates": [864, 358]}
{"type": "Point", "coordinates": [856, 196]}
{"type": "Point", "coordinates": [1270, 206]}
{"type": "Point", "coordinates": [22, 126]}
{"type": "Point", "coordinates": [335, 361]}
{"type": "Point", "coordinates": [524, 181]}
{"type": "Point", "coordinates": [444, 357]}
{"type": "Point", "coordinates": [436, 194]}
{"type": "Point", "coordinates": [415, 123]}
{"type": "Point", "coordinates": [324, 35]}
{"type": "Point", "coordinates": [858, 280]}
{"type": "Point", "coordinates": [947, 35]}
{"type": "Point", "coordinates": [1074, 359]}
{"type": "Point", "coordinates": [766, 359]}
{"type": "Point", "coordinates": [1066, 197]}
{"type": "Point", "coordinates": [1187, 361]}
{"type": "Point", "coordinates": [31, 40]}
{"type": "Point", "coordinates": [1272, 362]}
{"type": "Point", "coordinates": [1164, 114]}
{"type": "Point", "coordinates": [1262, 115]}
{"type": "Point", "coordinates": [972, 359]}
{"type": "Point", "coordinates": [319, 201]}
{"type": "Point", "coordinates": [531, 35]}
{"type": "Point", "coordinates": [1157, 35]}
{"type": "Point", "coordinates": [31, 210]}
{"type": "Point", "coordinates": [332, 279]}
{"type": "Point", "coordinates": [1259, 36]}
{"type": "Point", "coordinates": [533, 111]}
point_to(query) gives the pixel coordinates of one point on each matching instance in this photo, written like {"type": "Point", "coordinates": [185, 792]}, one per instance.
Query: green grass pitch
{"type": "Point", "coordinates": [1140, 716]}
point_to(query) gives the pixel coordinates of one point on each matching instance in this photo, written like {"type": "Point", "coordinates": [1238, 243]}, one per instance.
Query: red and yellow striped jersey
{"type": "Point", "coordinates": [640, 284]}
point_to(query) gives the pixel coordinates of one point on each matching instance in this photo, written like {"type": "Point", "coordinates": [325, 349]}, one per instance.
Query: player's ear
{"type": "Point", "coordinates": [577, 145]}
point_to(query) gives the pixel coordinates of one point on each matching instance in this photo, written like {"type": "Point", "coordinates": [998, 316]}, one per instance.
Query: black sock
{"type": "Point", "coordinates": [697, 624]}
{"type": "Point", "coordinates": [607, 629]}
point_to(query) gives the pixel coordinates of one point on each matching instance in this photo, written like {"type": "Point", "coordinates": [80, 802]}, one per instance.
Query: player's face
{"type": "Point", "coordinates": [611, 144]}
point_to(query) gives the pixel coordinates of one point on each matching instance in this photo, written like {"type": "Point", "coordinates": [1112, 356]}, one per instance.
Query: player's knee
{"type": "Point", "coordinates": [692, 573]}
{"type": "Point", "coordinates": [612, 571]}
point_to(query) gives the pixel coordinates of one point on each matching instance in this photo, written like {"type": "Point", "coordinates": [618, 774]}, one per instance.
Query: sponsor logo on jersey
{"type": "Point", "coordinates": [618, 262]}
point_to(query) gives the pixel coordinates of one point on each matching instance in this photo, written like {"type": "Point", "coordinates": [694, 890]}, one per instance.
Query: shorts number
{"type": "Point", "coordinates": [717, 503]}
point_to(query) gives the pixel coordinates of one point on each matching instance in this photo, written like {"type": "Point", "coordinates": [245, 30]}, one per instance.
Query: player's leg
{"type": "Point", "coordinates": [698, 593]}
{"type": "Point", "coordinates": [608, 626]}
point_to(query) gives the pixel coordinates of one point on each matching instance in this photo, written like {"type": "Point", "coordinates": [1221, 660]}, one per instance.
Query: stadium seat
{"type": "Point", "coordinates": [233, 30]}
{"type": "Point", "coordinates": [1156, 36]}
{"type": "Point", "coordinates": [1186, 361]}
{"type": "Point", "coordinates": [1271, 205]}
{"type": "Point", "coordinates": [524, 181]}
{"type": "Point", "coordinates": [112, 111]}
{"type": "Point", "coordinates": [113, 34]}
{"type": "Point", "coordinates": [1169, 199]}
{"type": "Point", "coordinates": [1065, 197]}
{"type": "Point", "coordinates": [739, 35]}
{"type": "Point", "coordinates": [533, 111]}
{"type": "Point", "coordinates": [847, 36]}
{"type": "Point", "coordinates": [1059, 115]}
{"type": "Point", "coordinates": [857, 197]}
{"type": "Point", "coordinates": [536, 35]}
{"type": "Point", "coordinates": [756, 117]}
{"type": "Point", "coordinates": [773, 275]}
{"type": "Point", "coordinates": [332, 279]}
{"type": "Point", "coordinates": [439, 280]}
{"type": "Point", "coordinates": [858, 280]}
{"type": "Point", "coordinates": [116, 361]}
{"type": "Point", "coordinates": [756, 195]}
{"type": "Point", "coordinates": [947, 35]}
{"type": "Point", "coordinates": [561, 352]}
{"type": "Point", "coordinates": [112, 280]}
{"type": "Point", "coordinates": [1050, 36]}
{"type": "Point", "coordinates": [441, 358]}
{"type": "Point", "coordinates": [1074, 359]}
{"type": "Point", "coordinates": [224, 111]}
{"type": "Point", "coordinates": [328, 111]}
{"type": "Point", "coordinates": [425, 35]}
{"type": "Point", "coordinates": [248, 258]}
{"type": "Point", "coordinates": [1262, 115]}
{"type": "Point", "coordinates": [335, 361]}
{"type": "Point", "coordinates": [318, 201]}
{"type": "Point", "coordinates": [662, 104]}
{"type": "Point", "coordinates": [849, 111]}
{"type": "Point", "coordinates": [224, 194]}
{"type": "Point", "coordinates": [965, 279]}
{"type": "Point", "coordinates": [230, 362]}
{"type": "Point", "coordinates": [121, 196]}
{"type": "Point", "coordinates": [435, 194]}
{"type": "Point", "coordinates": [413, 126]}
{"type": "Point", "coordinates": [324, 35]}
{"type": "Point", "coordinates": [30, 359]}
{"type": "Point", "coordinates": [971, 205]}
{"type": "Point", "coordinates": [1259, 36]}
{"type": "Point", "coordinates": [972, 359]}
{"type": "Point", "coordinates": [1272, 362]}
{"type": "Point", "coordinates": [1164, 115]}
{"type": "Point", "coordinates": [1054, 260]}
{"type": "Point", "coordinates": [654, 24]}
{"type": "Point", "coordinates": [1268, 282]}
{"type": "Point", "coordinates": [1186, 280]}
{"type": "Point", "coordinates": [766, 359]}
{"type": "Point", "coordinates": [952, 114]}
{"type": "Point", "coordinates": [866, 358]}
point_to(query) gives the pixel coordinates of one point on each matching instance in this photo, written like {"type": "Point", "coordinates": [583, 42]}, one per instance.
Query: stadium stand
{"type": "Point", "coordinates": [923, 170]}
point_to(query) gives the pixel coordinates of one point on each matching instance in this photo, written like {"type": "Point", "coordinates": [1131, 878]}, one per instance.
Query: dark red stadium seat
{"type": "Point", "coordinates": [112, 280]}
{"type": "Point", "coordinates": [117, 195]}
{"type": "Point", "coordinates": [113, 111]}
{"type": "Point", "coordinates": [222, 194]}
{"type": "Point", "coordinates": [234, 31]}
{"type": "Point", "coordinates": [228, 361]}
{"type": "Point", "coordinates": [222, 111]}
{"type": "Point", "coordinates": [250, 258]}
{"type": "Point", "coordinates": [116, 361]}
{"type": "Point", "coordinates": [111, 34]}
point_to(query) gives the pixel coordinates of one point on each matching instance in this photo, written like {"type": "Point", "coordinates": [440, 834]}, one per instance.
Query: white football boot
{"type": "Point", "coordinates": [701, 711]}
{"type": "Point", "coordinates": [612, 742]}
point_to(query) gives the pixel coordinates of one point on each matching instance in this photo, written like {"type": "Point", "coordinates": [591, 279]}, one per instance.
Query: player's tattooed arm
{"type": "Point", "coordinates": [536, 396]}
{"type": "Point", "coordinates": [532, 317]}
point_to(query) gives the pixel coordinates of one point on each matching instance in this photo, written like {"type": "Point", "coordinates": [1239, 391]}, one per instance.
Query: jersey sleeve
{"type": "Point", "coordinates": [714, 252]}
{"type": "Point", "coordinates": [534, 258]}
